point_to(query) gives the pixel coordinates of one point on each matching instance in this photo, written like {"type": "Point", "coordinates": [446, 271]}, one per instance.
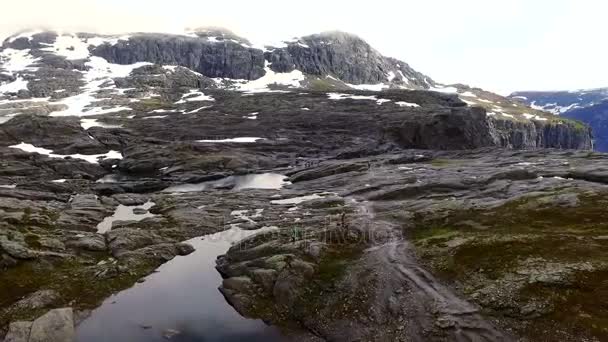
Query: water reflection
{"type": "Point", "coordinates": [253, 181]}
{"type": "Point", "coordinates": [181, 296]}
{"type": "Point", "coordinates": [125, 213]}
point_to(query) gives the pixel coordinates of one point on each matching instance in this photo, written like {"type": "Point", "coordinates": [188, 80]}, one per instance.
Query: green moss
{"type": "Point", "coordinates": [73, 280]}
{"type": "Point", "coordinates": [32, 240]}
{"type": "Point", "coordinates": [27, 214]}
{"type": "Point", "coordinates": [503, 239]}
{"type": "Point", "coordinates": [321, 85]}
{"type": "Point", "coordinates": [334, 264]}
{"type": "Point", "coordinates": [577, 125]}
{"type": "Point", "coordinates": [579, 307]}
{"type": "Point", "coordinates": [445, 162]}
{"type": "Point", "coordinates": [433, 233]}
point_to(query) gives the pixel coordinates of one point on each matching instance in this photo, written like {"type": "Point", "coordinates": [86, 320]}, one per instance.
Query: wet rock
{"type": "Point", "coordinates": [157, 254]}
{"type": "Point", "coordinates": [18, 332]}
{"type": "Point", "coordinates": [239, 284]}
{"type": "Point", "coordinates": [328, 170]}
{"type": "Point", "coordinates": [122, 240]}
{"type": "Point", "coordinates": [7, 262]}
{"type": "Point", "coordinates": [16, 249]}
{"type": "Point", "coordinates": [139, 211]}
{"type": "Point", "coordinates": [266, 278]}
{"type": "Point", "coordinates": [88, 242]}
{"type": "Point", "coordinates": [51, 243]}
{"type": "Point", "coordinates": [170, 333]}
{"type": "Point", "coordinates": [55, 326]}
{"type": "Point", "coordinates": [37, 300]}
{"type": "Point", "coordinates": [84, 212]}
{"type": "Point", "coordinates": [130, 199]}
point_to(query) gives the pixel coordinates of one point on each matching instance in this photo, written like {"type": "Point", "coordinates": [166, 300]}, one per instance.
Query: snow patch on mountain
{"type": "Point", "coordinates": [194, 95]}
{"type": "Point", "coordinates": [371, 87]}
{"type": "Point", "coordinates": [444, 89]}
{"type": "Point", "coordinates": [99, 77]}
{"type": "Point", "coordinates": [534, 117]}
{"type": "Point", "coordinates": [339, 96]}
{"type": "Point", "coordinates": [25, 34]}
{"type": "Point", "coordinates": [88, 123]}
{"type": "Point", "coordinates": [13, 60]}
{"type": "Point", "coordinates": [406, 104]}
{"type": "Point", "coordinates": [15, 86]}
{"type": "Point", "coordinates": [69, 46]}
{"type": "Point", "coordinates": [291, 79]}
{"type": "Point", "coordinates": [91, 158]}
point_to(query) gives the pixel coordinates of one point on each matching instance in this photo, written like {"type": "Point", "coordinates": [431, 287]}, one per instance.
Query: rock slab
{"type": "Point", "coordinates": [54, 326]}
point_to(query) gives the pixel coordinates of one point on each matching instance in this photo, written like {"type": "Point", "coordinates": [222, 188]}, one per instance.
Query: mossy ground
{"type": "Point", "coordinates": [73, 279]}
{"type": "Point", "coordinates": [502, 239]}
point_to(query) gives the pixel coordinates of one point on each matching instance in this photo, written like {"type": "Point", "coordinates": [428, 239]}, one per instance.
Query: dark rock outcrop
{"type": "Point", "coordinates": [539, 134]}
{"type": "Point", "coordinates": [589, 106]}
{"type": "Point", "coordinates": [213, 59]}
{"type": "Point", "coordinates": [458, 128]}
{"type": "Point", "coordinates": [346, 57]}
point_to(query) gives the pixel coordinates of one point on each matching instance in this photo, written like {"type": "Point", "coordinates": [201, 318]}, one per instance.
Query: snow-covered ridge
{"type": "Point", "coordinates": [103, 94]}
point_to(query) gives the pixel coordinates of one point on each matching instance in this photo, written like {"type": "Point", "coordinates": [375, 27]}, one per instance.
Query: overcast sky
{"type": "Point", "coordinates": [499, 45]}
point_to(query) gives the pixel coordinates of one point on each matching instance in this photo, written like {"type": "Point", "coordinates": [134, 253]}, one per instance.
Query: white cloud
{"type": "Point", "coordinates": [501, 45]}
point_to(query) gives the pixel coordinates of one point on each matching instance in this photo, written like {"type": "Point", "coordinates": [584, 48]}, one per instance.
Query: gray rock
{"type": "Point", "coordinates": [55, 326]}
{"type": "Point", "coordinates": [15, 249]}
{"type": "Point", "coordinates": [266, 278]}
{"type": "Point", "coordinates": [225, 59]}
{"type": "Point", "coordinates": [130, 199]}
{"type": "Point", "coordinates": [7, 262]}
{"type": "Point", "coordinates": [37, 300]}
{"type": "Point", "coordinates": [346, 57]}
{"type": "Point", "coordinates": [18, 332]}
{"type": "Point", "coordinates": [88, 242]}
{"type": "Point", "coordinates": [121, 240]}
{"type": "Point", "coordinates": [51, 243]}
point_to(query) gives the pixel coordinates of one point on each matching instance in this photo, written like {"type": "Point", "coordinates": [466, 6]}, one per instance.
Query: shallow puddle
{"type": "Point", "coordinates": [254, 181]}
{"type": "Point", "coordinates": [182, 298]}
{"type": "Point", "coordinates": [125, 213]}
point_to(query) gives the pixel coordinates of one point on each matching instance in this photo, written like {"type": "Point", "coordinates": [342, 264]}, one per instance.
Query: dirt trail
{"type": "Point", "coordinates": [412, 295]}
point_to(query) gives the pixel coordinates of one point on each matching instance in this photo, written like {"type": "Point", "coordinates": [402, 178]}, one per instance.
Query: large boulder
{"type": "Point", "coordinates": [55, 326]}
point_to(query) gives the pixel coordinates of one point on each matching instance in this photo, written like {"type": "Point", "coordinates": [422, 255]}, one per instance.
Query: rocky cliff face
{"type": "Point", "coordinates": [588, 106]}
{"type": "Point", "coordinates": [212, 58]}
{"type": "Point", "coordinates": [535, 134]}
{"type": "Point", "coordinates": [347, 57]}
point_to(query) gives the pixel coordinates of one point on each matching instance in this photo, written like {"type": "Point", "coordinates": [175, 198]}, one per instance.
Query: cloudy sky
{"type": "Point", "coordinates": [499, 45]}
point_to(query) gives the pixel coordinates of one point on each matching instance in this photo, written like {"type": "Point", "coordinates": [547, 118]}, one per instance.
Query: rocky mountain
{"type": "Point", "coordinates": [328, 191]}
{"type": "Point", "coordinates": [83, 74]}
{"type": "Point", "coordinates": [560, 102]}
{"type": "Point", "coordinates": [595, 116]}
{"type": "Point", "coordinates": [588, 106]}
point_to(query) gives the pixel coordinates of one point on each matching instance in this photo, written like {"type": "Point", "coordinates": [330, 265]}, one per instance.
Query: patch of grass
{"type": "Point", "coordinates": [577, 125]}
{"type": "Point", "coordinates": [333, 265]}
{"type": "Point", "coordinates": [580, 307]}
{"type": "Point", "coordinates": [527, 229]}
{"type": "Point", "coordinates": [321, 85]}
{"type": "Point", "coordinates": [74, 280]}
{"type": "Point", "coordinates": [32, 240]}
{"type": "Point", "coordinates": [434, 232]}
{"type": "Point", "coordinates": [439, 162]}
